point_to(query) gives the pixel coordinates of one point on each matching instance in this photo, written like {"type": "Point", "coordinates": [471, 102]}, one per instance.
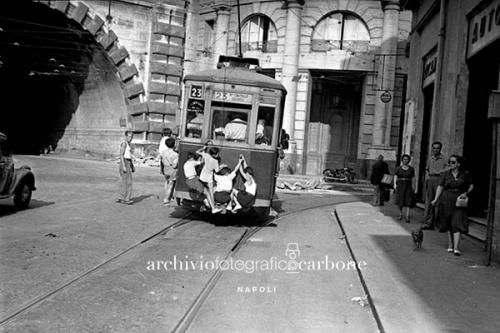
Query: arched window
{"type": "Point", "coordinates": [258, 33]}
{"type": "Point", "coordinates": [340, 31]}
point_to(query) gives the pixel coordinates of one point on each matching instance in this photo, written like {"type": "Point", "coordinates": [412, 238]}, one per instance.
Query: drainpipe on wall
{"type": "Point", "coordinates": [439, 68]}
{"type": "Point", "coordinates": [494, 197]}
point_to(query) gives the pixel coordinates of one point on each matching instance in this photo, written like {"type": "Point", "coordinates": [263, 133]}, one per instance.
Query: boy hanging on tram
{"type": "Point", "coordinates": [224, 184]}
{"type": "Point", "coordinates": [196, 188]}
{"type": "Point", "coordinates": [210, 166]}
{"type": "Point", "coordinates": [244, 198]}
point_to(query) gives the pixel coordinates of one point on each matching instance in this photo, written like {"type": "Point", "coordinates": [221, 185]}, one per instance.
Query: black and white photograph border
{"type": "Point", "coordinates": [358, 193]}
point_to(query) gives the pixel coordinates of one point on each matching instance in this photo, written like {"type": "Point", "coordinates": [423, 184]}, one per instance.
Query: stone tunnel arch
{"type": "Point", "coordinates": [86, 126]}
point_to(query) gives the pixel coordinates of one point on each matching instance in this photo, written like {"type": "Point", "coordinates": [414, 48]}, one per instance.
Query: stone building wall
{"type": "Point", "coordinates": [355, 60]}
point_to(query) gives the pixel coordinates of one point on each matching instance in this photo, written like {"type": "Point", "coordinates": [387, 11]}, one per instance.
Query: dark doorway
{"type": "Point", "coordinates": [333, 129]}
{"type": "Point", "coordinates": [483, 79]}
{"type": "Point", "coordinates": [426, 132]}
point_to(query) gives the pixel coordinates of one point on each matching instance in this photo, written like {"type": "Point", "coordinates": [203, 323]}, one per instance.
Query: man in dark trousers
{"type": "Point", "coordinates": [378, 170]}
{"type": "Point", "coordinates": [436, 165]}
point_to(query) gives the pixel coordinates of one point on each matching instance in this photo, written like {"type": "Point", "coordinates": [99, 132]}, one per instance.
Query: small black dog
{"type": "Point", "coordinates": [418, 238]}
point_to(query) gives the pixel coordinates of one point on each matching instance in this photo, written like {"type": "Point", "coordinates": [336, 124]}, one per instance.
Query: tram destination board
{"type": "Point", "coordinates": [225, 96]}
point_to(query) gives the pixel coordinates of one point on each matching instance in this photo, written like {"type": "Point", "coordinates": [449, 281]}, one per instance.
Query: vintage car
{"type": "Point", "coordinates": [18, 183]}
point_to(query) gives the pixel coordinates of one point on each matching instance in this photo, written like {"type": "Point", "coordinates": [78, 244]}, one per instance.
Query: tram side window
{"type": "Point", "coordinates": [265, 122]}
{"type": "Point", "coordinates": [194, 124]}
{"type": "Point", "coordinates": [230, 125]}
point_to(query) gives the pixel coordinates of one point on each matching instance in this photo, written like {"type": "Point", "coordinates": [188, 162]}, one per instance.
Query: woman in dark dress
{"type": "Point", "coordinates": [403, 187]}
{"type": "Point", "coordinates": [450, 218]}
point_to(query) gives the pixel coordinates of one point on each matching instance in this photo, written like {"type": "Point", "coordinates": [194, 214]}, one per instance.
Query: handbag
{"type": "Point", "coordinates": [461, 201]}
{"type": "Point", "coordinates": [387, 179]}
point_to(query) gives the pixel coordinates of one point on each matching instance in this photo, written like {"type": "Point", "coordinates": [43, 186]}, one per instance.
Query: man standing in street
{"type": "Point", "coordinates": [126, 167]}
{"type": "Point", "coordinates": [378, 170]}
{"type": "Point", "coordinates": [436, 165]}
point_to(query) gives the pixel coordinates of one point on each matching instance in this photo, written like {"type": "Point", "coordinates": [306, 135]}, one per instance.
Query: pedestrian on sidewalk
{"type": "Point", "coordinates": [126, 167]}
{"type": "Point", "coordinates": [454, 183]}
{"type": "Point", "coordinates": [404, 187]}
{"type": "Point", "coordinates": [168, 168]}
{"type": "Point", "coordinates": [436, 165]}
{"type": "Point", "coordinates": [378, 170]}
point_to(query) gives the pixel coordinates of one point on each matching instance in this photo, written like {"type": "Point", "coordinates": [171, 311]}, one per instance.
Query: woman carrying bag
{"type": "Point", "coordinates": [451, 202]}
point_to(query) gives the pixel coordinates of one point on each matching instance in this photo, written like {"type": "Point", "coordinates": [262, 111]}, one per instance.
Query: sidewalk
{"type": "Point", "coordinates": [428, 290]}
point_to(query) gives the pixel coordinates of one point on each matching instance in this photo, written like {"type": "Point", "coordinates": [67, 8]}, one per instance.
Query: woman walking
{"type": "Point", "coordinates": [454, 184]}
{"type": "Point", "coordinates": [404, 188]}
{"type": "Point", "coordinates": [125, 169]}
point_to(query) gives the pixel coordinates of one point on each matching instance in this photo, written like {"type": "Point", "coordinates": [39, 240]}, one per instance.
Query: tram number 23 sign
{"type": "Point", "coordinates": [196, 91]}
{"type": "Point", "coordinates": [225, 96]}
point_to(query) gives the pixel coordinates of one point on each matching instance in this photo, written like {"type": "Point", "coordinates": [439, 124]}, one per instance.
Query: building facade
{"type": "Point", "coordinates": [453, 96]}
{"type": "Point", "coordinates": [343, 63]}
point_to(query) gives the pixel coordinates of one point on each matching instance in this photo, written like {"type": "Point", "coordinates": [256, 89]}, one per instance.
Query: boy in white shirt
{"type": "Point", "coordinates": [169, 160]}
{"type": "Point", "coordinates": [224, 184]}
{"type": "Point", "coordinates": [244, 198]}
{"type": "Point", "coordinates": [211, 165]}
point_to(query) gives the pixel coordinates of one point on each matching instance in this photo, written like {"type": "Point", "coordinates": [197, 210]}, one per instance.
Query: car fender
{"type": "Point", "coordinates": [22, 175]}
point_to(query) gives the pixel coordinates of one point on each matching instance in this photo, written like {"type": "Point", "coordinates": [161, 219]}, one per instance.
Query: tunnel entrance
{"type": "Point", "coordinates": [56, 82]}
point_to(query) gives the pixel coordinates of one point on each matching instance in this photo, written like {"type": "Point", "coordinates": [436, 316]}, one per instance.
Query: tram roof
{"type": "Point", "coordinates": [236, 76]}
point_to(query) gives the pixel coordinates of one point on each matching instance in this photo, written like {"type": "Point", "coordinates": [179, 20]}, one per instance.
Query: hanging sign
{"type": "Point", "coordinates": [386, 97]}
{"type": "Point", "coordinates": [429, 70]}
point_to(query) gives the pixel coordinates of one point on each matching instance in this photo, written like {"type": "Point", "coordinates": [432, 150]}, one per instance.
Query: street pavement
{"type": "Point", "coordinates": [74, 226]}
{"type": "Point", "coordinates": [426, 290]}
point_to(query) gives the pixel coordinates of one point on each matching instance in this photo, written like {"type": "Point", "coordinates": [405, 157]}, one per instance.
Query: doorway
{"type": "Point", "coordinates": [484, 77]}
{"type": "Point", "coordinates": [333, 128]}
{"type": "Point", "coordinates": [426, 133]}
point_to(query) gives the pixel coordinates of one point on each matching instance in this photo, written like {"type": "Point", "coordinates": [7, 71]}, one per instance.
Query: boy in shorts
{"type": "Point", "coordinates": [224, 184]}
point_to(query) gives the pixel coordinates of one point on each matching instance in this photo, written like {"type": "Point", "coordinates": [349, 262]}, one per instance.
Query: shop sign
{"type": "Point", "coordinates": [225, 96]}
{"type": "Point", "coordinates": [484, 27]}
{"type": "Point", "coordinates": [429, 70]}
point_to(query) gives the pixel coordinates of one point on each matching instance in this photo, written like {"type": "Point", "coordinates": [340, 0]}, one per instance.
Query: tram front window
{"type": "Point", "coordinates": [230, 125]}
{"type": "Point", "coordinates": [194, 124]}
{"type": "Point", "coordinates": [264, 131]}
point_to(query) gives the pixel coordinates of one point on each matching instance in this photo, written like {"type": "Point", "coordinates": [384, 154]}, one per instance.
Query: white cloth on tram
{"type": "Point", "coordinates": [236, 129]}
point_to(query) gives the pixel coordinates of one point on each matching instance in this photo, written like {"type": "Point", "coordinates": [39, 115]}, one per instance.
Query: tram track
{"type": "Point", "coordinates": [190, 315]}
{"type": "Point", "coordinates": [37, 300]}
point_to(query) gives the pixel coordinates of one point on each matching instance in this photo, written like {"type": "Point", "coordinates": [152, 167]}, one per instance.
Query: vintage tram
{"type": "Point", "coordinates": [233, 93]}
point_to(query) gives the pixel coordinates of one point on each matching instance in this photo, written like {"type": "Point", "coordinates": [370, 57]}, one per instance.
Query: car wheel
{"type": "Point", "coordinates": [22, 197]}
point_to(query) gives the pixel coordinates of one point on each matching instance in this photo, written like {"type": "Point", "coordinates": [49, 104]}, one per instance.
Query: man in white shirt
{"type": "Point", "coordinates": [236, 130]}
